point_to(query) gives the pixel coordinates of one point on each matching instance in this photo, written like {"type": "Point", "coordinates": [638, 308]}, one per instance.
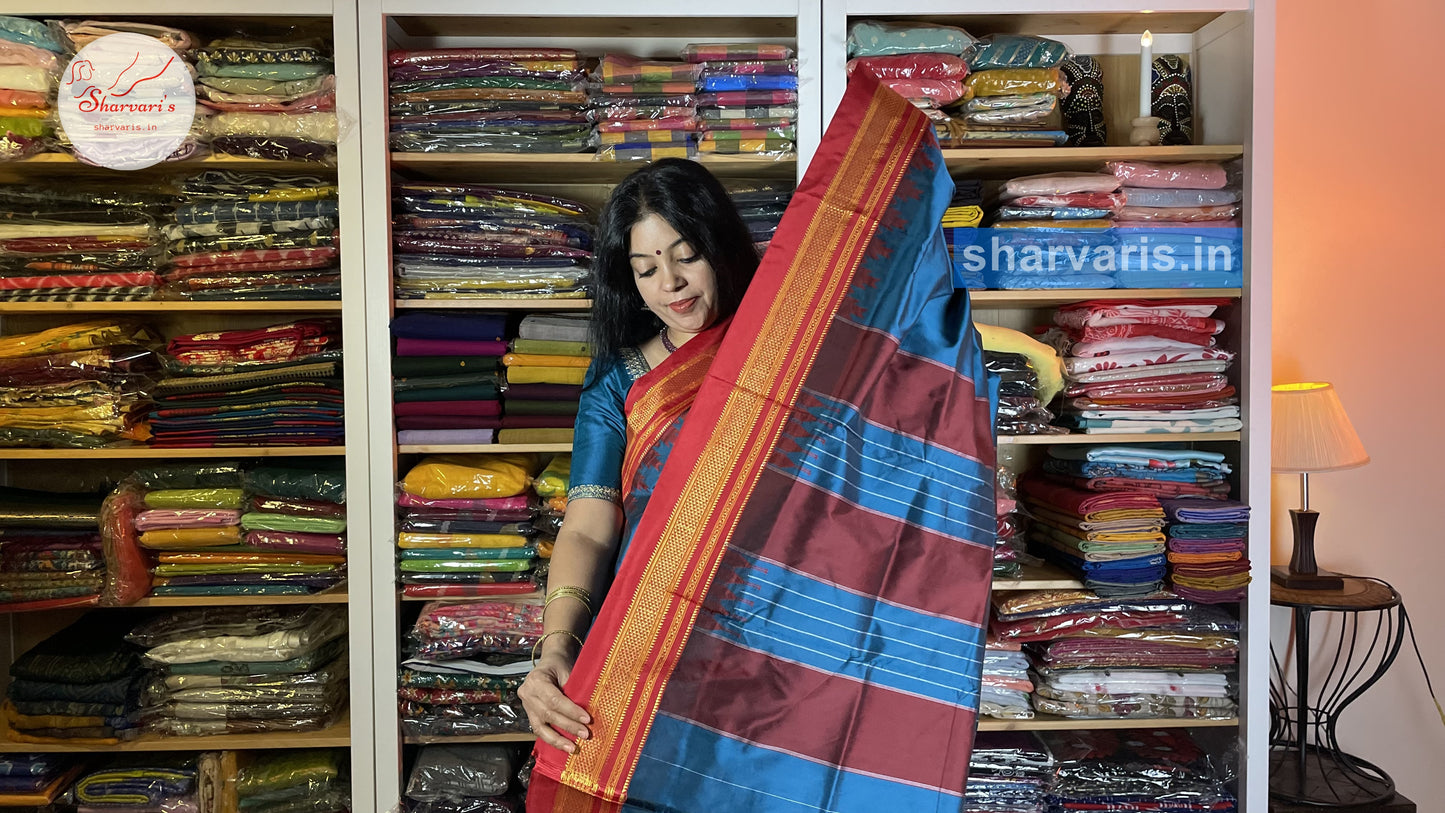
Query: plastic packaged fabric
{"type": "Point", "coordinates": [443, 772]}
{"type": "Point", "coordinates": [321, 483]}
{"type": "Point", "coordinates": [614, 69]}
{"type": "Point", "coordinates": [727, 51]}
{"type": "Point", "coordinates": [1015, 51]}
{"type": "Point", "coordinates": [1160, 769]}
{"type": "Point", "coordinates": [128, 576]}
{"type": "Point", "coordinates": [275, 148]}
{"type": "Point", "coordinates": [911, 66]}
{"type": "Point", "coordinates": [552, 482]}
{"type": "Point", "coordinates": [175, 727]}
{"type": "Point", "coordinates": [1014, 82]}
{"type": "Point", "coordinates": [1059, 183]}
{"type": "Point", "coordinates": [869, 38]}
{"type": "Point", "coordinates": [1177, 214]}
{"type": "Point", "coordinates": [927, 92]}
{"type": "Point", "coordinates": [420, 720]}
{"type": "Point", "coordinates": [470, 477]}
{"type": "Point", "coordinates": [779, 67]}
{"type": "Point", "coordinates": [1195, 175]}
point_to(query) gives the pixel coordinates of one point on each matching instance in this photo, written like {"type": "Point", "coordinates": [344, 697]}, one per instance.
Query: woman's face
{"type": "Point", "coordinates": [675, 281]}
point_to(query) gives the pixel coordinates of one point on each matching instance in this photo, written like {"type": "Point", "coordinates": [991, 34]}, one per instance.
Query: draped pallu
{"type": "Point", "coordinates": [798, 622]}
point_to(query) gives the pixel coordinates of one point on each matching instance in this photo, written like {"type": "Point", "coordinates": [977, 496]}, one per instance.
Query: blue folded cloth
{"type": "Point", "coordinates": [1206, 511]}
{"type": "Point", "coordinates": [461, 327]}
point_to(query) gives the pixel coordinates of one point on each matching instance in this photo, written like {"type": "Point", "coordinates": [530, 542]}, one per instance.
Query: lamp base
{"type": "Point", "coordinates": [1319, 580]}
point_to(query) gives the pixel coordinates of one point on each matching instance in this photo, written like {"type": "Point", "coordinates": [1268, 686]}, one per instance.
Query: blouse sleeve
{"type": "Point", "coordinates": [600, 438]}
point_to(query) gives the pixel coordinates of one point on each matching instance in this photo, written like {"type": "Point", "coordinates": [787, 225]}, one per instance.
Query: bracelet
{"type": "Point", "coordinates": [569, 591]}
{"type": "Point", "coordinates": [538, 646]}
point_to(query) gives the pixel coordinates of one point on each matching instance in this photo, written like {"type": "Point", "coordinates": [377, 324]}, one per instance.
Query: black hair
{"type": "Point", "coordinates": [694, 203]}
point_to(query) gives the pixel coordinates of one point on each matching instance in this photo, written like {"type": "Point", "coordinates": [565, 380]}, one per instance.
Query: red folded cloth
{"type": "Point", "coordinates": [1084, 503]}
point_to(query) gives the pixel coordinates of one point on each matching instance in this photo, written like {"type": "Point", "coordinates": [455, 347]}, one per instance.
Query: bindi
{"type": "Point", "coordinates": [659, 252]}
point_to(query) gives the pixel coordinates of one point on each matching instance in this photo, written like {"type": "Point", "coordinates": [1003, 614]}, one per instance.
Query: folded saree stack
{"type": "Point", "coordinates": [1006, 685]}
{"type": "Point", "coordinates": [1188, 217]}
{"type": "Point", "coordinates": [542, 386]}
{"type": "Point", "coordinates": [245, 669]}
{"type": "Point", "coordinates": [466, 528]}
{"type": "Point", "coordinates": [81, 33]}
{"type": "Point", "coordinates": [1167, 472]}
{"type": "Point", "coordinates": [1012, 94]}
{"type": "Point", "coordinates": [254, 236]}
{"type": "Point", "coordinates": [462, 241]}
{"type": "Point", "coordinates": [35, 780]}
{"type": "Point", "coordinates": [502, 100]}
{"type": "Point", "coordinates": [1145, 366]}
{"type": "Point", "coordinates": [497, 632]}
{"type": "Point", "coordinates": [140, 783]}
{"type": "Point", "coordinates": [747, 98]}
{"type": "Point", "coordinates": [29, 71]}
{"type": "Point", "coordinates": [272, 100]}
{"type": "Point", "coordinates": [921, 62]}
{"type": "Point", "coordinates": [80, 686]}
{"type": "Point", "coordinates": [551, 489]}
{"type": "Point", "coordinates": [312, 780]}
{"type": "Point", "coordinates": [1208, 549]}
{"type": "Point", "coordinates": [1053, 231]}
{"type": "Point", "coordinates": [1008, 772]}
{"type": "Point", "coordinates": [960, 231]}
{"type": "Point", "coordinates": [1093, 657]}
{"type": "Point", "coordinates": [76, 386]}
{"type": "Point", "coordinates": [761, 207]}
{"type": "Point", "coordinates": [457, 778]}
{"type": "Point", "coordinates": [278, 385]}
{"type": "Point", "coordinates": [645, 109]}
{"type": "Point", "coordinates": [1028, 375]}
{"type": "Point", "coordinates": [79, 245]}
{"type": "Point", "coordinates": [446, 377]}
{"type": "Point", "coordinates": [1161, 771]}
{"type": "Point", "coordinates": [1113, 541]}
{"type": "Point", "coordinates": [50, 550]}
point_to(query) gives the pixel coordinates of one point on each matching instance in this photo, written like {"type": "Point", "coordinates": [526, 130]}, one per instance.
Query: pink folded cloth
{"type": "Point", "coordinates": [1195, 175]}
{"type": "Point", "coordinates": [449, 347]}
{"type": "Point", "coordinates": [158, 519]}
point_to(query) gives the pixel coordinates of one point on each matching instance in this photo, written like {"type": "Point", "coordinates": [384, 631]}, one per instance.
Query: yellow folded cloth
{"type": "Point", "coordinates": [187, 538]}
{"type": "Point", "coordinates": [534, 435]}
{"type": "Point", "coordinates": [537, 360]}
{"type": "Point", "coordinates": [530, 374]}
{"type": "Point", "coordinates": [413, 540]}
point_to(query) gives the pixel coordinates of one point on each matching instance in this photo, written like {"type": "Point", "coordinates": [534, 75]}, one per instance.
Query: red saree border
{"type": "Point", "coordinates": [717, 459]}
{"type": "Point", "coordinates": [662, 394]}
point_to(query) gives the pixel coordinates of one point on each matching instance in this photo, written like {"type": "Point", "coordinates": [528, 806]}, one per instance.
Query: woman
{"type": "Point", "coordinates": [673, 260]}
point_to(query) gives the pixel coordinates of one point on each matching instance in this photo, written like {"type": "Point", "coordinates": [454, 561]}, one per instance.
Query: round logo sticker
{"type": "Point", "coordinates": [126, 101]}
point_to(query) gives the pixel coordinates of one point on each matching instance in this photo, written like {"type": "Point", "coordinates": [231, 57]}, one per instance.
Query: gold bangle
{"type": "Point", "coordinates": [537, 646]}
{"type": "Point", "coordinates": [569, 591]}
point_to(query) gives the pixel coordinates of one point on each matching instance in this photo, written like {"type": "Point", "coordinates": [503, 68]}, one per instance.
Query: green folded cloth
{"type": "Point", "coordinates": [286, 770]}
{"type": "Point", "coordinates": [497, 565]}
{"type": "Point", "coordinates": [221, 568]}
{"type": "Point", "coordinates": [30, 128]}
{"type": "Point", "coordinates": [323, 482]}
{"type": "Point", "coordinates": [476, 392]}
{"type": "Point", "coordinates": [428, 366]}
{"type": "Point", "coordinates": [542, 347]}
{"type": "Point", "coordinates": [231, 590]}
{"type": "Point", "coordinates": [428, 382]}
{"type": "Point", "coordinates": [468, 554]}
{"type": "Point", "coordinates": [255, 521]}
{"type": "Point", "coordinates": [174, 498]}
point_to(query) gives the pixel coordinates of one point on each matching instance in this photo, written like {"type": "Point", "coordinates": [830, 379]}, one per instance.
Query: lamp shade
{"type": "Point", "coordinates": [1311, 430]}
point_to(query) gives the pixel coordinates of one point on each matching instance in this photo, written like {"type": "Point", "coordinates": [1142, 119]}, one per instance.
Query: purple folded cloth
{"type": "Point", "coordinates": [445, 437]}
{"type": "Point", "coordinates": [475, 409]}
{"type": "Point", "coordinates": [1205, 545]}
{"type": "Point", "coordinates": [1186, 509]}
{"type": "Point", "coordinates": [468, 327]}
{"type": "Point", "coordinates": [292, 542]}
{"type": "Point", "coordinates": [450, 347]}
{"type": "Point", "coordinates": [1211, 596]}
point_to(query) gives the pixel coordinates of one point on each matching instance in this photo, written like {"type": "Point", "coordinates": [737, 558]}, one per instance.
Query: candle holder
{"type": "Point", "coordinates": [1144, 132]}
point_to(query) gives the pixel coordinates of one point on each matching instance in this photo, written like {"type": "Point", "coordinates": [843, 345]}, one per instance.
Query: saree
{"type": "Point", "coordinates": [797, 623]}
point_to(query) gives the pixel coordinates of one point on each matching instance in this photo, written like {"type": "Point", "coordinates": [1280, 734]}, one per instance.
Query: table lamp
{"type": "Point", "coordinates": [1311, 433]}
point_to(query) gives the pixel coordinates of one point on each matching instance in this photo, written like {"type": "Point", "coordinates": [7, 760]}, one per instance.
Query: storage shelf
{"type": "Point", "coordinates": [53, 163]}
{"type": "Point", "coordinates": [1004, 162]}
{"type": "Point", "coordinates": [491, 448]}
{"type": "Point", "coordinates": [535, 595]}
{"type": "Point", "coordinates": [336, 595]}
{"type": "Point", "coordinates": [147, 453]}
{"type": "Point", "coordinates": [1141, 437]}
{"type": "Point", "coordinates": [1041, 722]}
{"type": "Point", "coordinates": [1048, 722]}
{"type": "Point", "coordinates": [163, 307]}
{"type": "Point", "coordinates": [571, 168]}
{"type": "Point", "coordinates": [1075, 22]}
{"type": "Point", "coordinates": [337, 736]}
{"type": "Point", "coordinates": [1039, 577]}
{"type": "Point", "coordinates": [496, 304]}
{"type": "Point", "coordinates": [1055, 298]}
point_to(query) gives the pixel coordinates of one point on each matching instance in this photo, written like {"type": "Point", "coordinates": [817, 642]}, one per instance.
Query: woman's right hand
{"type": "Point", "coordinates": [549, 710]}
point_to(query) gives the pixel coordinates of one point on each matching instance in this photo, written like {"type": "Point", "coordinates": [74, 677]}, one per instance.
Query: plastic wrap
{"type": "Point", "coordinates": [1014, 82]}
{"type": "Point", "coordinates": [443, 772]}
{"type": "Point", "coordinates": [128, 577]}
{"type": "Point", "coordinates": [172, 727]}
{"type": "Point", "coordinates": [996, 51]}
{"type": "Point", "coordinates": [1177, 214]}
{"type": "Point", "coordinates": [1194, 175]}
{"type": "Point", "coordinates": [462, 721]}
{"type": "Point", "coordinates": [470, 477]}
{"type": "Point", "coordinates": [1155, 768]}
{"type": "Point", "coordinates": [911, 66]}
{"type": "Point", "coordinates": [872, 38]}
{"type": "Point", "coordinates": [184, 625]}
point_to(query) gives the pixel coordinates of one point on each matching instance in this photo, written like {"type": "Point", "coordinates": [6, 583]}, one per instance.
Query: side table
{"type": "Point", "coordinates": [1307, 765]}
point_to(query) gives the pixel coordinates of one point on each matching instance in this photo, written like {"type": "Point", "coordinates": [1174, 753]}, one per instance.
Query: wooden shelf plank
{"type": "Point", "coordinates": [147, 453]}
{"type": "Point", "coordinates": [572, 168]}
{"type": "Point", "coordinates": [1041, 722]}
{"type": "Point", "coordinates": [337, 736]}
{"type": "Point", "coordinates": [1142, 437]}
{"type": "Point", "coordinates": [490, 448]}
{"type": "Point", "coordinates": [1054, 298]}
{"type": "Point", "coordinates": [164, 307]}
{"type": "Point", "coordinates": [496, 304]}
{"type": "Point", "coordinates": [52, 162]}
{"type": "Point", "coordinates": [1003, 162]}
{"type": "Point", "coordinates": [1048, 722]}
{"type": "Point", "coordinates": [336, 595]}
{"type": "Point", "coordinates": [1039, 577]}
{"type": "Point", "coordinates": [520, 736]}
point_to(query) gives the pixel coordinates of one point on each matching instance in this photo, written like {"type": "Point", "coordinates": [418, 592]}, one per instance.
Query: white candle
{"type": "Point", "coordinates": [1146, 72]}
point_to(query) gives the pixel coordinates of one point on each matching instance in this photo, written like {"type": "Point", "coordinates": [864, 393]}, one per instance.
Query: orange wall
{"type": "Point", "coordinates": [1359, 300]}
